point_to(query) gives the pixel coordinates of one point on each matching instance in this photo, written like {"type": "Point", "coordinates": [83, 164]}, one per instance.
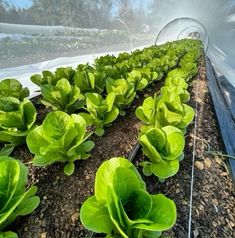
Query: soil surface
{"type": "Point", "coordinates": [213, 198]}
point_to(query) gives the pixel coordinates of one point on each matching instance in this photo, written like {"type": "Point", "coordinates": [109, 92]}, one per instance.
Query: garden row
{"type": "Point", "coordinates": [95, 96]}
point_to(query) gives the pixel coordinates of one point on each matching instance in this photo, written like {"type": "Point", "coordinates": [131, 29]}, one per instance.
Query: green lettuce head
{"type": "Point", "coordinates": [16, 120]}
{"type": "Point", "coordinates": [164, 148]}
{"type": "Point", "coordinates": [122, 207]}
{"type": "Point", "coordinates": [15, 200]}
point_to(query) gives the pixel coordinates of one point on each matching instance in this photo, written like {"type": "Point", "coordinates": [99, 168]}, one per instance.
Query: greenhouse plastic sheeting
{"type": "Point", "coordinates": [23, 73]}
{"type": "Point", "coordinates": [35, 31]}
{"type": "Point", "coordinates": [223, 96]}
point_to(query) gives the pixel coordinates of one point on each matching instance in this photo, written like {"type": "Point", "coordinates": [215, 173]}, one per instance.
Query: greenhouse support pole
{"type": "Point", "coordinates": [128, 30]}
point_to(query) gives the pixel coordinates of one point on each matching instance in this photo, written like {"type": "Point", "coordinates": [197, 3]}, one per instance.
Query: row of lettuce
{"type": "Point", "coordinates": [85, 100]}
{"type": "Point", "coordinates": [121, 198]}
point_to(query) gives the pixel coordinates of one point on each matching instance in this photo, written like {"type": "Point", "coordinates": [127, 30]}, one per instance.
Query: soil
{"type": "Point", "coordinates": [213, 198]}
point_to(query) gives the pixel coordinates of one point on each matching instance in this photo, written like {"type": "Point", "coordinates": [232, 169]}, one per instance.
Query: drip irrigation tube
{"type": "Point", "coordinates": [193, 160]}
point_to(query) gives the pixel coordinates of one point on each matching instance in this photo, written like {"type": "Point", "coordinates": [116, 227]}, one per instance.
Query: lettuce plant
{"type": "Point", "coordinates": [165, 109]}
{"type": "Point", "coordinates": [176, 90]}
{"type": "Point", "coordinates": [100, 111]}
{"type": "Point", "coordinates": [105, 61]}
{"type": "Point", "coordinates": [15, 200]}
{"type": "Point", "coordinates": [122, 207]}
{"type": "Point", "coordinates": [151, 74]}
{"type": "Point", "coordinates": [108, 72]}
{"type": "Point", "coordinates": [164, 148]}
{"type": "Point", "coordinates": [61, 138]}
{"type": "Point", "coordinates": [180, 76]}
{"type": "Point", "coordinates": [89, 81]}
{"type": "Point", "coordinates": [176, 81]}
{"type": "Point", "coordinates": [49, 78]}
{"type": "Point", "coordinates": [124, 67]}
{"type": "Point", "coordinates": [16, 120]}
{"type": "Point", "coordinates": [137, 78]}
{"type": "Point", "coordinates": [190, 70]}
{"type": "Point", "coordinates": [6, 149]}
{"type": "Point", "coordinates": [171, 111]}
{"type": "Point", "coordinates": [62, 96]}
{"type": "Point", "coordinates": [124, 91]}
{"type": "Point", "coordinates": [13, 88]}
{"type": "Point", "coordinates": [66, 73]}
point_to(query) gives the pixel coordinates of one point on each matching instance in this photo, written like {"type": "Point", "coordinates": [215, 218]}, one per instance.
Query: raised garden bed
{"type": "Point", "coordinates": [213, 194]}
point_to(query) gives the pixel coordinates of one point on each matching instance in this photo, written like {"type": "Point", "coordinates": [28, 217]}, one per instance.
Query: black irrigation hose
{"type": "Point", "coordinates": [134, 152]}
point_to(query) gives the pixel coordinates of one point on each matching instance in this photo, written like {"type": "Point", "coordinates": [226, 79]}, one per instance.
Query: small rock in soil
{"type": "Point", "coordinates": [74, 217]}
{"type": "Point", "coordinates": [43, 235]}
{"type": "Point", "coordinates": [195, 233]}
{"type": "Point", "coordinates": [199, 165]}
{"type": "Point", "coordinates": [207, 163]}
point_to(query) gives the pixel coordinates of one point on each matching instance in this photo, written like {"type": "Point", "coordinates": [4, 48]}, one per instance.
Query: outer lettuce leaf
{"type": "Point", "coordinates": [162, 215]}
{"type": "Point", "coordinates": [8, 234]}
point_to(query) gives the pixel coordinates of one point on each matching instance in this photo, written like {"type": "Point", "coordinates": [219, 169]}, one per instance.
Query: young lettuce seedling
{"type": "Point", "coordinates": [165, 109]}
{"type": "Point", "coordinates": [13, 88]}
{"type": "Point", "coordinates": [101, 111]}
{"type": "Point", "coordinates": [15, 200]}
{"type": "Point", "coordinates": [61, 138]}
{"type": "Point", "coordinates": [164, 147]}
{"type": "Point", "coordinates": [62, 96]}
{"type": "Point", "coordinates": [121, 205]}
{"type": "Point", "coordinates": [16, 120]}
{"type": "Point", "coordinates": [124, 93]}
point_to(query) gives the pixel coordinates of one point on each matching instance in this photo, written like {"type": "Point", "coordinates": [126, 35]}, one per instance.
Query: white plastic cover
{"type": "Point", "coordinates": [69, 32]}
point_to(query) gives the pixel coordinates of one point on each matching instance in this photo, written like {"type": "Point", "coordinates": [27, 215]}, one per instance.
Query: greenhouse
{"type": "Point", "coordinates": [117, 118]}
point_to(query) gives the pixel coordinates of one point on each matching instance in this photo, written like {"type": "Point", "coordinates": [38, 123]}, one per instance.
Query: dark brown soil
{"type": "Point", "coordinates": [62, 196]}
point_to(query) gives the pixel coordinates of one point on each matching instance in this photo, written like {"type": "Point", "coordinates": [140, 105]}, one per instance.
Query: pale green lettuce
{"type": "Point", "coordinates": [164, 148]}
{"type": "Point", "coordinates": [121, 205]}
{"type": "Point", "coordinates": [15, 200]}
{"type": "Point", "coordinates": [61, 138]}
